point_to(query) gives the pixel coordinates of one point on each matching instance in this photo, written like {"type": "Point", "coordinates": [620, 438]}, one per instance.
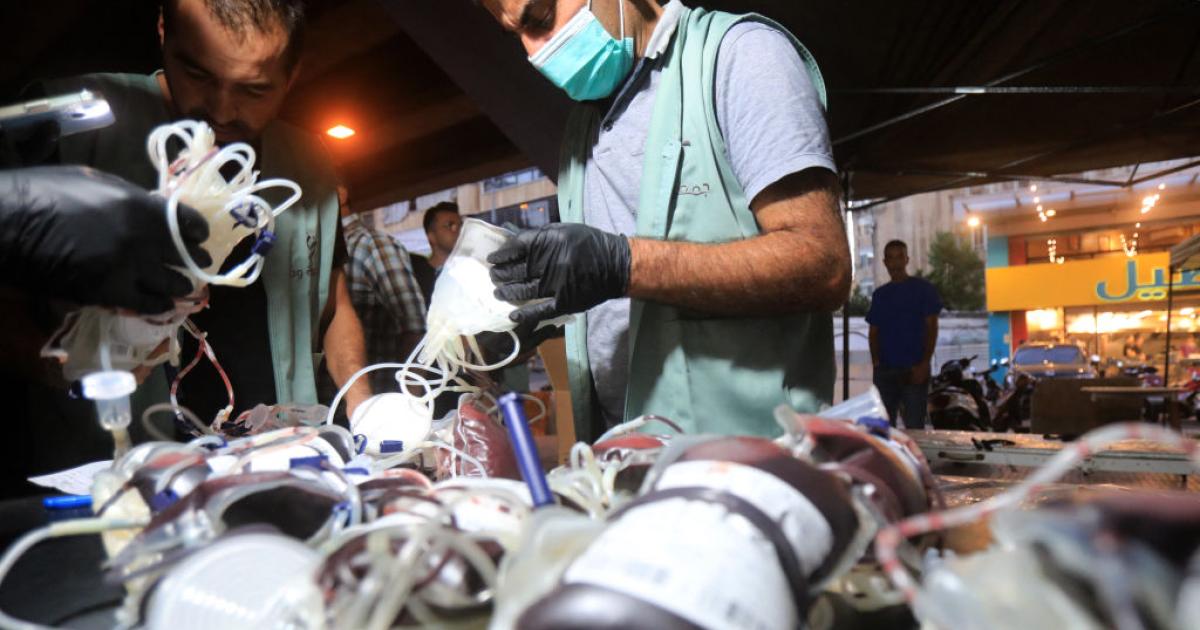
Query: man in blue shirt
{"type": "Point", "coordinates": [904, 329]}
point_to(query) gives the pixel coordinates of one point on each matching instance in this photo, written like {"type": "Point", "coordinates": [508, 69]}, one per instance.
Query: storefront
{"type": "Point", "coordinates": [1087, 265]}
{"type": "Point", "coordinates": [1113, 306]}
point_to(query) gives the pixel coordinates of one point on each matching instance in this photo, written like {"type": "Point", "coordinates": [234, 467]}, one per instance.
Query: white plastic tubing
{"type": "Point", "coordinates": [890, 538]}
{"type": "Point", "coordinates": [231, 205]}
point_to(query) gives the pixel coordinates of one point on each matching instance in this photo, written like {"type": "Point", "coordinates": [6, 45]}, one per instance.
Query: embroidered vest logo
{"type": "Point", "coordinates": [311, 242]}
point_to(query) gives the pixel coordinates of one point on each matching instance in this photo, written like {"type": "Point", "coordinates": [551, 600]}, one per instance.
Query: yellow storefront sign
{"type": "Point", "coordinates": [1100, 281]}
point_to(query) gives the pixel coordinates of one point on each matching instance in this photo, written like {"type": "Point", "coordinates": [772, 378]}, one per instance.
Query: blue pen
{"type": "Point", "coordinates": [67, 502]}
{"type": "Point", "coordinates": [525, 449]}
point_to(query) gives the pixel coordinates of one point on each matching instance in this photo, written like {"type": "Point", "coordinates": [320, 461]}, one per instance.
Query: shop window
{"type": "Point", "coordinates": [1130, 334]}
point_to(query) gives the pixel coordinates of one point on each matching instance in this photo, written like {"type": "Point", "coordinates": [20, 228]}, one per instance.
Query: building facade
{"type": "Point", "coordinates": [524, 198]}
{"type": "Point", "coordinates": [1085, 263]}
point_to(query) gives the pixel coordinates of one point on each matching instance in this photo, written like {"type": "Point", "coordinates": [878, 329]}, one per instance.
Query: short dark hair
{"type": "Point", "coordinates": [895, 243]}
{"type": "Point", "coordinates": [431, 214]}
{"type": "Point", "coordinates": [261, 15]}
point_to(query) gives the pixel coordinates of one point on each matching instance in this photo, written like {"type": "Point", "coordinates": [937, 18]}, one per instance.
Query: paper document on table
{"type": "Point", "coordinates": [76, 480]}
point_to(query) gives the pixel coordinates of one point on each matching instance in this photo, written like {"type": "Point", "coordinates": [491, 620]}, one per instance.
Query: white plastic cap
{"type": "Point", "coordinates": [108, 385]}
{"type": "Point", "coordinates": [392, 416]}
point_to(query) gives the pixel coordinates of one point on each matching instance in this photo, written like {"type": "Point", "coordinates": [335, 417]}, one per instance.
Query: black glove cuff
{"type": "Point", "coordinates": [623, 264]}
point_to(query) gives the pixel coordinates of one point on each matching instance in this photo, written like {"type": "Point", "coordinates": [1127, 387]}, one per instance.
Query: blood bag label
{"type": "Point", "coordinates": [702, 562]}
{"type": "Point", "coordinates": [695, 560]}
{"type": "Point", "coordinates": [801, 522]}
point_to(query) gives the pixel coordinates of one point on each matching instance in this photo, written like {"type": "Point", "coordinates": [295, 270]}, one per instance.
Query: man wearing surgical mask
{"type": "Point", "coordinates": [702, 238]}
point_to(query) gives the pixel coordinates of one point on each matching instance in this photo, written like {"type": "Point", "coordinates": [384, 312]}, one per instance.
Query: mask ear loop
{"type": "Point", "coordinates": [621, 12]}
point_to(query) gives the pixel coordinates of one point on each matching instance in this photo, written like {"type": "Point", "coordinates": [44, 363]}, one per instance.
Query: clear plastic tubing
{"type": "Point", "coordinates": [110, 390]}
{"type": "Point", "coordinates": [525, 449]}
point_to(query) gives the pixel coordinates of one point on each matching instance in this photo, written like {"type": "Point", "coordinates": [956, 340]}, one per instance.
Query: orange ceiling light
{"type": "Point", "coordinates": [341, 132]}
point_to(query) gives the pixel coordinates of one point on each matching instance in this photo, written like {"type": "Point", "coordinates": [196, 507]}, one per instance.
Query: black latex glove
{"type": "Point", "coordinates": [93, 238]}
{"type": "Point", "coordinates": [28, 146]}
{"type": "Point", "coordinates": [576, 265]}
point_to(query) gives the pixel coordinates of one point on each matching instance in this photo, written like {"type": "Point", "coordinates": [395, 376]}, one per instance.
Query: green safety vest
{"type": "Point", "coordinates": [296, 272]}
{"type": "Point", "coordinates": [708, 373]}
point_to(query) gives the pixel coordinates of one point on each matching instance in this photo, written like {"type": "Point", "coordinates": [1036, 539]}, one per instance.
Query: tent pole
{"type": "Point", "coordinates": [846, 306]}
{"type": "Point", "coordinates": [1167, 354]}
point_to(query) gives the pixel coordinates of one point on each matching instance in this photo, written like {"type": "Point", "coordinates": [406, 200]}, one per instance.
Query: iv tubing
{"type": "Point", "coordinates": [889, 539]}
{"type": "Point", "coordinates": [54, 530]}
{"type": "Point", "coordinates": [635, 424]}
{"type": "Point", "coordinates": [178, 410]}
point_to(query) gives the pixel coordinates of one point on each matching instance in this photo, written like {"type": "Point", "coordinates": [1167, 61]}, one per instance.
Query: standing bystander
{"type": "Point", "coordinates": [903, 334]}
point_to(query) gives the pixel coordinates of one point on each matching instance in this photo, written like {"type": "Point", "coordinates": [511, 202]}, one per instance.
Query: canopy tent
{"type": "Point", "coordinates": [924, 94]}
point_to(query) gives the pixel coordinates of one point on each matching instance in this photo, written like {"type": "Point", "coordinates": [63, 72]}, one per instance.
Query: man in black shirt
{"type": "Point", "coordinates": [442, 224]}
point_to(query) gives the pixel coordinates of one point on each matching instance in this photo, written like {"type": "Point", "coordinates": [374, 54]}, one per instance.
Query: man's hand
{"type": "Point", "coordinates": [920, 373]}
{"type": "Point", "coordinates": [575, 265]}
{"type": "Point", "coordinates": [93, 238]}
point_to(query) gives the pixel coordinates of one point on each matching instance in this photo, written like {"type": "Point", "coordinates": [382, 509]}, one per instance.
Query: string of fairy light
{"type": "Point", "coordinates": [1045, 214]}
{"type": "Point", "coordinates": [1129, 244]}
{"type": "Point", "coordinates": [1052, 244]}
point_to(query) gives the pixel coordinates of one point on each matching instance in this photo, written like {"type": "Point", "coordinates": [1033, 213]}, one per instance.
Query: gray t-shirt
{"type": "Point", "coordinates": [773, 124]}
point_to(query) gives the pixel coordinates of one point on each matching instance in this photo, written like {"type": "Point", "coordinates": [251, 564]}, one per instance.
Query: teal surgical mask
{"type": "Point", "coordinates": [583, 59]}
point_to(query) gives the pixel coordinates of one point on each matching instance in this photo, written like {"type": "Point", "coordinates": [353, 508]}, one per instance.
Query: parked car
{"type": "Point", "coordinates": [1050, 360]}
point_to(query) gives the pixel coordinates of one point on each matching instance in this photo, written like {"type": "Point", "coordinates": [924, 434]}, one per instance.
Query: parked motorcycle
{"type": "Point", "coordinates": [991, 389]}
{"type": "Point", "coordinates": [1154, 408]}
{"type": "Point", "coordinates": [1012, 408]}
{"type": "Point", "coordinates": [956, 401]}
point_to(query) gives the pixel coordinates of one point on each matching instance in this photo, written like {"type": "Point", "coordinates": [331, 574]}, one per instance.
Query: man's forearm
{"type": "Point", "coordinates": [766, 275]}
{"type": "Point", "coordinates": [873, 344]}
{"type": "Point", "coordinates": [801, 261]}
{"type": "Point", "coordinates": [345, 354]}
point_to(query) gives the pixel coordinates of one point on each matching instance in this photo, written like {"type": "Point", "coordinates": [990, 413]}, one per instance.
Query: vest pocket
{"type": "Point", "coordinates": [735, 373]}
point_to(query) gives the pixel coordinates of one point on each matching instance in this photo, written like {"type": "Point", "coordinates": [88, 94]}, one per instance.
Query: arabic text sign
{"type": "Point", "coordinates": [1101, 281]}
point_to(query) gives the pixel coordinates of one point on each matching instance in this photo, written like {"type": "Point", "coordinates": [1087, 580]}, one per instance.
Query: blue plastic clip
{"type": "Point", "coordinates": [313, 461]}
{"type": "Point", "coordinates": [163, 500]}
{"type": "Point", "coordinates": [264, 243]}
{"type": "Point", "coordinates": [356, 470]}
{"type": "Point", "coordinates": [391, 446]}
{"type": "Point", "coordinates": [67, 502]}
{"type": "Point", "coordinates": [360, 443]}
{"type": "Point", "coordinates": [876, 426]}
{"type": "Point", "coordinates": [343, 513]}
{"type": "Point", "coordinates": [247, 220]}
